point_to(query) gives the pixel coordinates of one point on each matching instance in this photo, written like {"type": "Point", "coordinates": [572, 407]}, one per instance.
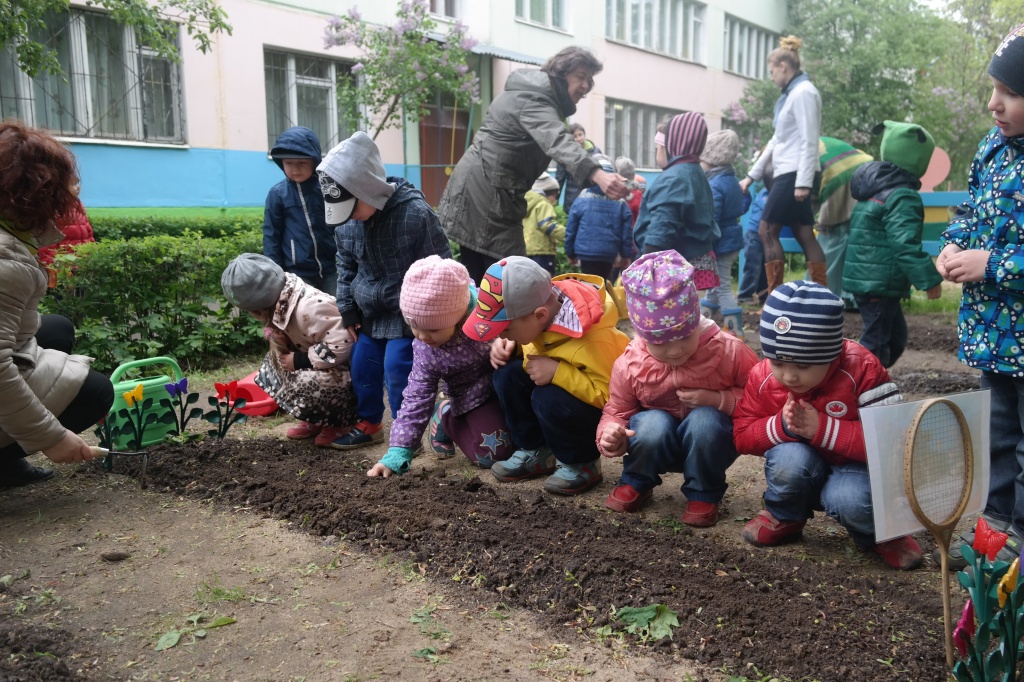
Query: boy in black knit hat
{"type": "Point", "coordinates": [983, 249]}
{"type": "Point", "coordinates": [801, 412]}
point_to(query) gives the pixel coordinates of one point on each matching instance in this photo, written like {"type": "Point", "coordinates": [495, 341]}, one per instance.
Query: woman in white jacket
{"type": "Point", "coordinates": [793, 151]}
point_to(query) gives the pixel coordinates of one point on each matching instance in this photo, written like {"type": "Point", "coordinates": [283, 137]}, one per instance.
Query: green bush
{"type": "Point", "coordinates": [154, 296]}
{"type": "Point", "coordinates": [109, 228]}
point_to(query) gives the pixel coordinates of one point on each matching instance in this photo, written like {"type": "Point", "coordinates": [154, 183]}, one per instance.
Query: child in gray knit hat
{"type": "Point", "coordinates": [306, 371]}
{"type": "Point", "coordinates": [382, 226]}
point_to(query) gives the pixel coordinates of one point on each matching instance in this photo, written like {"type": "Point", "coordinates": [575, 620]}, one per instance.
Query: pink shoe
{"type": "Point", "coordinates": [303, 431]}
{"type": "Point", "coordinates": [329, 433]}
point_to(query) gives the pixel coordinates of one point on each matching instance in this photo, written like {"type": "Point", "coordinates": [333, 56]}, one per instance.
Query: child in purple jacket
{"type": "Point", "coordinates": [437, 295]}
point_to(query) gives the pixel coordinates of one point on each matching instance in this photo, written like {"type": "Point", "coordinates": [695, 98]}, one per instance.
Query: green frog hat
{"type": "Point", "coordinates": [907, 145]}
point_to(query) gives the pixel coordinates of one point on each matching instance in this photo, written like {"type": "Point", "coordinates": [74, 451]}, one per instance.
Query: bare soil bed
{"type": "Point", "coordinates": [815, 610]}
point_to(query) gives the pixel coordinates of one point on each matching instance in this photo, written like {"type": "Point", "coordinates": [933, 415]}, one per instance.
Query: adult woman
{"type": "Point", "coordinates": [49, 394]}
{"type": "Point", "coordinates": [483, 205]}
{"type": "Point", "coordinates": [793, 151]}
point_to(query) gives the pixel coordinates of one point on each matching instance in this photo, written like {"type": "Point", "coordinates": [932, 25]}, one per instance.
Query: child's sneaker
{"type": "Point", "coordinates": [303, 431]}
{"type": "Point", "coordinates": [573, 479]}
{"type": "Point", "coordinates": [329, 434]}
{"type": "Point", "coordinates": [440, 443]}
{"type": "Point", "coordinates": [903, 553]}
{"type": "Point", "coordinates": [700, 514]}
{"type": "Point", "coordinates": [362, 434]}
{"type": "Point", "coordinates": [625, 498]}
{"type": "Point", "coordinates": [524, 464]}
{"type": "Point", "coordinates": [764, 530]}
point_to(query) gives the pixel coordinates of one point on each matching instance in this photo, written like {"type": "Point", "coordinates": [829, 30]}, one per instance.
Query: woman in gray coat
{"type": "Point", "coordinates": [49, 395]}
{"type": "Point", "coordinates": [483, 206]}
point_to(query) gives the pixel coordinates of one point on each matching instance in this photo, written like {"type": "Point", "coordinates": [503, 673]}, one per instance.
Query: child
{"type": "Point", "coordinates": [753, 281]}
{"type": "Point", "coordinates": [436, 299]}
{"type": "Point", "coordinates": [599, 230]}
{"type": "Point", "coordinates": [672, 392]}
{"type": "Point", "coordinates": [564, 177]}
{"type": "Point", "coordinates": [731, 203]}
{"type": "Point", "coordinates": [306, 371]}
{"type": "Point", "coordinates": [295, 235]}
{"type": "Point", "coordinates": [77, 230]}
{"type": "Point", "coordinates": [884, 254]}
{"type": "Point", "coordinates": [383, 225]}
{"type": "Point", "coordinates": [801, 412]}
{"type": "Point", "coordinates": [553, 394]}
{"type": "Point", "coordinates": [982, 249]}
{"type": "Point", "coordinates": [636, 184]}
{"type": "Point", "coordinates": [678, 212]}
{"type": "Point", "coordinates": [541, 230]}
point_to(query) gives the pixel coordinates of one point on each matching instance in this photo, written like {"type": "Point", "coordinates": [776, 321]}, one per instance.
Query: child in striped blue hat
{"type": "Point", "coordinates": [800, 410]}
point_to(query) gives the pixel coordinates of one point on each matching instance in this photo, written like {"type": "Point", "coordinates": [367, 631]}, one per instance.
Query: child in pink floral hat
{"type": "Point", "coordinates": [672, 392]}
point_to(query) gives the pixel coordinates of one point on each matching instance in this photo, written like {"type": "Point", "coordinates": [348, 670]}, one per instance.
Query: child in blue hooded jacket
{"type": "Point", "coordinates": [295, 234]}
{"type": "Point", "coordinates": [599, 231]}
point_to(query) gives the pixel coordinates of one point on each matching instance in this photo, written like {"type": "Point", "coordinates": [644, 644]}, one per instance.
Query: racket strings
{"type": "Point", "coordinates": [938, 466]}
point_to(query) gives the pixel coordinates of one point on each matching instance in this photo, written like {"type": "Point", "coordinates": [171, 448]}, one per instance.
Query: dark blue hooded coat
{"type": "Point", "coordinates": [295, 231]}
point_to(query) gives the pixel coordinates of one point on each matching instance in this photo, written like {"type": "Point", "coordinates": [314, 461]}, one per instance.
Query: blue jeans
{"type": "Point", "coordinates": [1006, 449]}
{"type": "Point", "coordinates": [374, 363]}
{"type": "Point", "coordinates": [753, 279]}
{"type": "Point", "coordinates": [800, 482]}
{"type": "Point", "coordinates": [538, 415]}
{"type": "Point", "coordinates": [885, 329]}
{"type": "Point", "coordinates": [699, 446]}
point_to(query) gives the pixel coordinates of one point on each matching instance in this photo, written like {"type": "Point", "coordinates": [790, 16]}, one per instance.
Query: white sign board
{"type": "Point", "coordinates": [885, 435]}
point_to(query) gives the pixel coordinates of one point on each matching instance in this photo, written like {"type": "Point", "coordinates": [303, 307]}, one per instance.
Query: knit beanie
{"type": "Point", "coordinates": [661, 300]}
{"type": "Point", "coordinates": [1007, 64]}
{"type": "Point", "coordinates": [802, 322]}
{"type": "Point", "coordinates": [685, 137]}
{"type": "Point", "coordinates": [252, 282]}
{"type": "Point", "coordinates": [625, 167]}
{"type": "Point", "coordinates": [908, 146]}
{"type": "Point", "coordinates": [435, 293]}
{"type": "Point", "coordinates": [544, 184]}
{"type": "Point", "coordinates": [355, 165]}
{"type": "Point", "coordinates": [721, 149]}
{"type": "Point", "coordinates": [839, 160]}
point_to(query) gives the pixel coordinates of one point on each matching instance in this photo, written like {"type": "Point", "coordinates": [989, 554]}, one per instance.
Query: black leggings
{"type": "Point", "coordinates": [476, 262]}
{"type": "Point", "coordinates": [94, 398]}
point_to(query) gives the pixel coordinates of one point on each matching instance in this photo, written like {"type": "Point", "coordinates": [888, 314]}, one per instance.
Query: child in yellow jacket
{"type": "Point", "coordinates": [541, 230]}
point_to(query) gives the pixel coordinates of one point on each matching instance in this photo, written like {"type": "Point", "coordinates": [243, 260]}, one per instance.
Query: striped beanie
{"type": "Point", "coordinates": [802, 322]}
{"type": "Point", "coordinates": [685, 138]}
{"type": "Point", "coordinates": [839, 160]}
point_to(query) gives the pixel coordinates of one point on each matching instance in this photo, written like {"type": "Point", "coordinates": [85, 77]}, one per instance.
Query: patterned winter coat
{"type": "Point", "coordinates": [991, 327]}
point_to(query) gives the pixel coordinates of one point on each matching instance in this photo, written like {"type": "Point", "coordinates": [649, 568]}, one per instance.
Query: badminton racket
{"type": "Point", "coordinates": [938, 472]}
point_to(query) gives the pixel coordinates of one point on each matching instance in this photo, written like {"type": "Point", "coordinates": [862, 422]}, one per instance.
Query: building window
{"type": "Point", "coordinates": [747, 48]}
{"type": "Point", "coordinates": [630, 128]}
{"type": "Point", "coordinates": [544, 12]}
{"type": "Point", "coordinates": [112, 86]}
{"type": "Point", "coordinates": [444, 8]}
{"type": "Point", "coordinates": [305, 91]}
{"type": "Point", "coordinates": [672, 27]}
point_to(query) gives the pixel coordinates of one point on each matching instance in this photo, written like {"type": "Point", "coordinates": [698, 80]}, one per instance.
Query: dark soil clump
{"type": "Point", "coordinates": [29, 655]}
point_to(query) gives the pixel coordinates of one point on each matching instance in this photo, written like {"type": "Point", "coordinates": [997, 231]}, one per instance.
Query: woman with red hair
{"type": "Point", "coordinates": [49, 394]}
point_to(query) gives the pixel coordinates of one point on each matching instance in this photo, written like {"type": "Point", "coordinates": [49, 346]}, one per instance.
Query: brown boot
{"type": "Point", "coordinates": [817, 271]}
{"type": "Point", "coordinates": [775, 270]}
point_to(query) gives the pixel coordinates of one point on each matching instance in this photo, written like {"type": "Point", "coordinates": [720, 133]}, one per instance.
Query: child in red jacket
{"type": "Point", "coordinates": [801, 412]}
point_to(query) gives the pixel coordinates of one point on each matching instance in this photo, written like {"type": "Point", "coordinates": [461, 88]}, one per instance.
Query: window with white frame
{"type": "Point", "coordinates": [629, 130]}
{"type": "Point", "coordinates": [747, 48]}
{"type": "Point", "coordinates": [306, 91]}
{"type": "Point", "coordinates": [672, 27]}
{"type": "Point", "coordinates": [544, 12]}
{"type": "Point", "coordinates": [112, 86]}
{"type": "Point", "coordinates": [445, 8]}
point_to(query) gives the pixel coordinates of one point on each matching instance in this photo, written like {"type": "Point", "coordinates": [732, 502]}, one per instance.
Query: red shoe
{"type": "Point", "coordinates": [329, 433]}
{"type": "Point", "coordinates": [765, 530]}
{"type": "Point", "coordinates": [625, 498]}
{"type": "Point", "coordinates": [303, 431]}
{"type": "Point", "coordinates": [903, 553]}
{"type": "Point", "coordinates": [700, 514]}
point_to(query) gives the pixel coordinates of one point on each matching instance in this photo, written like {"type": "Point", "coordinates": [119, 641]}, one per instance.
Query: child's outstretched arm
{"type": "Point", "coordinates": [396, 461]}
{"type": "Point", "coordinates": [612, 431]}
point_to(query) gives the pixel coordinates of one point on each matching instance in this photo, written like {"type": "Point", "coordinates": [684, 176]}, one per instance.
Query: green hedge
{"type": "Point", "coordinates": [114, 227]}
{"type": "Point", "coordinates": [151, 296]}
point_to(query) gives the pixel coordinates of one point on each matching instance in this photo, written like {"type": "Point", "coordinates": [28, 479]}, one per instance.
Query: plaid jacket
{"type": "Point", "coordinates": [374, 255]}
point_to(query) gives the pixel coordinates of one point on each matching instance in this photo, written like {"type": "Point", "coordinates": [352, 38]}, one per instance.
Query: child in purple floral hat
{"type": "Point", "coordinates": [672, 392]}
{"type": "Point", "coordinates": [437, 295]}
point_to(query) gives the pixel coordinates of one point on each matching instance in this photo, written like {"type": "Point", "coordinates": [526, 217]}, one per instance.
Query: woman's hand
{"type": "Point", "coordinates": [801, 193]}
{"type": "Point", "coordinates": [70, 448]}
{"type": "Point", "coordinates": [745, 184]}
{"type": "Point", "coordinates": [612, 184]}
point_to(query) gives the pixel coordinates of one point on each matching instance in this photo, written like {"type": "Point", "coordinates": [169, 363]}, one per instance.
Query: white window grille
{"type": "Point", "coordinates": [112, 87]}
{"type": "Point", "coordinates": [672, 27]}
{"type": "Point", "coordinates": [630, 128]}
{"type": "Point", "coordinates": [550, 13]}
{"type": "Point", "coordinates": [747, 48]}
{"type": "Point", "coordinates": [445, 8]}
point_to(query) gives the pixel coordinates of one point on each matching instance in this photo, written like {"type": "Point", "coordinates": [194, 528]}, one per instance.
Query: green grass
{"type": "Point", "coordinates": [177, 212]}
{"type": "Point", "coordinates": [948, 303]}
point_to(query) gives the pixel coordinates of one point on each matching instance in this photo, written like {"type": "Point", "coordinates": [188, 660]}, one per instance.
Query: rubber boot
{"type": "Point", "coordinates": [733, 321]}
{"type": "Point", "coordinates": [818, 273]}
{"type": "Point", "coordinates": [707, 308]}
{"type": "Point", "coordinates": [775, 271]}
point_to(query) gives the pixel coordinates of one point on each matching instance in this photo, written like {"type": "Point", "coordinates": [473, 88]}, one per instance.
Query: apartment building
{"type": "Point", "coordinates": [151, 132]}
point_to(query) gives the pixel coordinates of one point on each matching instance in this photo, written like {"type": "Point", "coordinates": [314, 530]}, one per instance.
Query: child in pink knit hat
{"type": "Point", "coordinates": [437, 295]}
{"type": "Point", "coordinates": [672, 392]}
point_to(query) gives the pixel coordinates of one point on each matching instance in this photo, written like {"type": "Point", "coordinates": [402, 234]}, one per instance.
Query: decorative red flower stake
{"type": "Point", "coordinates": [229, 398]}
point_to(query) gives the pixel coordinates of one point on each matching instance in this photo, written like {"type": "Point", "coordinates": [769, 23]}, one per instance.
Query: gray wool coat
{"type": "Point", "coordinates": [483, 205]}
{"type": "Point", "coordinates": [36, 383]}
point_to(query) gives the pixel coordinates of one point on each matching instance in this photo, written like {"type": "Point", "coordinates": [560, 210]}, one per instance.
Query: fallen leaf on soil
{"type": "Point", "coordinates": [115, 556]}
